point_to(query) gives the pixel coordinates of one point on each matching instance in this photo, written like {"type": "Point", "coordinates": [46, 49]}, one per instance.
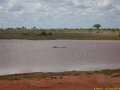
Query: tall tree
{"type": "Point", "coordinates": [97, 26]}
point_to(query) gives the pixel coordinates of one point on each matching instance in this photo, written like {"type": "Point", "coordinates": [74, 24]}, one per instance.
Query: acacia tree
{"type": "Point", "coordinates": [97, 26]}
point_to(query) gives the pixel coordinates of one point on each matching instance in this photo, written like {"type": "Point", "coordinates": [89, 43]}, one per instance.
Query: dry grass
{"type": "Point", "coordinates": [74, 34]}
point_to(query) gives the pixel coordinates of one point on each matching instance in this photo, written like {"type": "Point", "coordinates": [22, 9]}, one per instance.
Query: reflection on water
{"type": "Point", "coordinates": [18, 56]}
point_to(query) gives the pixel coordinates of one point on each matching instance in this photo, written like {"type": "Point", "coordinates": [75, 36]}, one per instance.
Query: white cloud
{"type": "Point", "coordinates": [104, 3]}
{"type": "Point", "coordinates": [61, 9]}
{"type": "Point", "coordinates": [55, 6]}
{"type": "Point", "coordinates": [22, 6]}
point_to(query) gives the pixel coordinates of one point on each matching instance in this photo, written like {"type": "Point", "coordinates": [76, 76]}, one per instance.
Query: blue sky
{"type": "Point", "coordinates": [59, 13]}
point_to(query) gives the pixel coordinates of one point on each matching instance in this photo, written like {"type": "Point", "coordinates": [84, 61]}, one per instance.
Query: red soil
{"type": "Point", "coordinates": [69, 82]}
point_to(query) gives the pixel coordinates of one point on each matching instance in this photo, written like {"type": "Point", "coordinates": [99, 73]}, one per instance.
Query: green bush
{"type": "Point", "coordinates": [89, 73]}
{"type": "Point", "coordinates": [43, 33]}
{"type": "Point", "coordinates": [119, 34]}
{"type": "Point", "coordinates": [25, 34]}
{"type": "Point", "coordinates": [50, 33]}
{"type": "Point", "coordinates": [109, 72]}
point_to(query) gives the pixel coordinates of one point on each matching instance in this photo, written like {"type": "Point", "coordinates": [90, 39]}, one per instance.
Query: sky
{"type": "Point", "coordinates": [59, 13]}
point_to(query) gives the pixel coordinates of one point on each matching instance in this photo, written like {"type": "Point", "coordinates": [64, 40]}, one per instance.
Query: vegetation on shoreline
{"type": "Point", "coordinates": [53, 75]}
{"type": "Point", "coordinates": [54, 34]}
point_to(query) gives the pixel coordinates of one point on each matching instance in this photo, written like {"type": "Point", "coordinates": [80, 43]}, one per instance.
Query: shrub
{"type": "Point", "coordinates": [43, 33]}
{"type": "Point", "coordinates": [89, 73]}
{"type": "Point", "coordinates": [108, 72]}
{"type": "Point", "coordinates": [9, 78]}
{"type": "Point", "coordinates": [25, 34]}
{"type": "Point", "coordinates": [119, 34]}
{"type": "Point", "coordinates": [97, 32]}
{"type": "Point", "coordinates": [53, 77]}
{"type": "Point", "coordinates": [50, 33]}
{"type": "Point", "coordinates": [60, 77]}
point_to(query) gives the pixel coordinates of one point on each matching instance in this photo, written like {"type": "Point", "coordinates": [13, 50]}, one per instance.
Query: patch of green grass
{"type": "Point", "coordinates": [22, 76]}
{"type": "Point", "coordinates": [9, 78]}
{"type": "Point", "coordinates": [114, 72]}
{"type": "Point", "coordinates": [43, 76]}
{"type": "Point", "coordinates": [116, 75]}
{"type": "Point", "coordinates": [89, 73]}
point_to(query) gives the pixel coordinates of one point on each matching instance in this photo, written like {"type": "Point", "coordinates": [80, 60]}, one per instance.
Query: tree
{"type": "Point", "coordinates": [1, 29]}
{"type": "Point", "coordinates": [97, 26]}
{"type": "Point", "coordinates": [23, 28]}
{"type": "Point", "coordinates": [33, 28]}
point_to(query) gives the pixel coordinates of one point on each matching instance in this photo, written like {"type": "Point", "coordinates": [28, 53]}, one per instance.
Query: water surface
{"type": "Point", "coordinates": [19, 56]}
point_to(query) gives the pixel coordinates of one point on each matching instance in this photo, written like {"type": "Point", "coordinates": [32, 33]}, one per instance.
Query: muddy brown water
{"type": "Point", "coordinates": [22, 56]}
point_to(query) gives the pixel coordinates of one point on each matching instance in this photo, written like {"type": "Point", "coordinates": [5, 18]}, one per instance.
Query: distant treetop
{"type": "Point", "coordinates": [97, 26]}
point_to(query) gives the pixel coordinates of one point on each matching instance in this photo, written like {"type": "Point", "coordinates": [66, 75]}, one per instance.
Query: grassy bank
{"type": "Point", "coordinates": [53, 75]}
{"type": "Point", "coordinates": [53, 34]}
